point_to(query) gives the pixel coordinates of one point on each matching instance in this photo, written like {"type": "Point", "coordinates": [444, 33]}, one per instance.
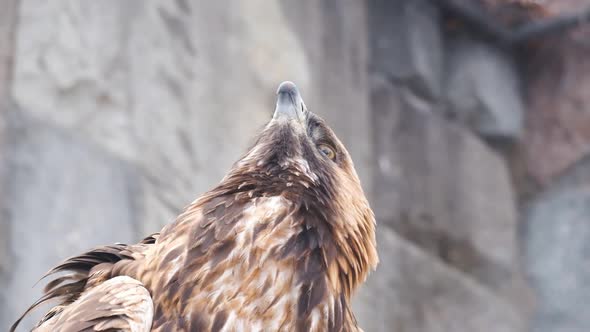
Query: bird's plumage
{"type": "Point", "coordinates": [280, 244]}
{"type": "Point", "coordinates": [117, 304]}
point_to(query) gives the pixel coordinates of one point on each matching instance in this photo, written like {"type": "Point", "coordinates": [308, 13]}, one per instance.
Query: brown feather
{"type": "Point", "coordinates": [280, 244]}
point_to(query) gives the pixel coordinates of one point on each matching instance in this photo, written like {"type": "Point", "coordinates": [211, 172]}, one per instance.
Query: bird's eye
{"type": "Point", "coordinates": [327, 151]}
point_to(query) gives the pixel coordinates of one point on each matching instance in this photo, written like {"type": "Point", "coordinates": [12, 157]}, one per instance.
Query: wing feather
{"type": "Point", "coordinates": [118, 304]}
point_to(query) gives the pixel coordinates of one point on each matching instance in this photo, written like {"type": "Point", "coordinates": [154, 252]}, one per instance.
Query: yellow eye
{"type": "Point", "coordinates": [327, 151]}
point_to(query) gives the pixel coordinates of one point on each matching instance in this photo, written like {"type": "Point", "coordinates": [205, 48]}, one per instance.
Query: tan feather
{"type": "Point", "coordinates": [118, 304]}
{"type": "Point", "coordinates": [280, 244]}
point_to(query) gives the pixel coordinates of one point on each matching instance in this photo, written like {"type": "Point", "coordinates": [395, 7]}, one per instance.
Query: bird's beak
{"type": "Point", "coordinates": [290, 105]}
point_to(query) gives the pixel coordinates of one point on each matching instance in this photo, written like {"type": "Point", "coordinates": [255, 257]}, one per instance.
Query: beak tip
{"type": "Point", "coordinates": [289, 102]}
{"type": "Point", "coordinates": [288, 87]}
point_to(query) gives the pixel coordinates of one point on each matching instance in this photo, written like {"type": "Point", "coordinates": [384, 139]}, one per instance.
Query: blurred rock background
{"type": "Point", "coordinates": [475, 154]}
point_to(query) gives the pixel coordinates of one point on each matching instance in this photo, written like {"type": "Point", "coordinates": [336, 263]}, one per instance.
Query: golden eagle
{"type": "Point", "coordinates": [279, 245]}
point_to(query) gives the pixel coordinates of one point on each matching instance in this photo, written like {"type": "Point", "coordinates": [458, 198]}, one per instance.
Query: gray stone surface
{"type": "Point", "coordinates": [177, 88]}
{"type": "Point", "coordinates": [62, 197]}
{"type": "Point", "coordinates": [406, 44]}
{"type": "Point", "coordinates": [8, 10]}
{"type": "Point", "coordinates": [556, 238]}
{"type": "Point", "coordinates": [415, 292]}
{"type": "Point", "coordinates": [483, 90]}
{"type": "Point", "coordinates": [441, 188]}
{"type": "Point", "coordinates": [180, 88]}
{"type": "Point", "coordinates": [7, 30]}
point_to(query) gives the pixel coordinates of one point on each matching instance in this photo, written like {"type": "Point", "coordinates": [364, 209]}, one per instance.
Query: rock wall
{"type": "Point", "coordinates": [7, 31]}
{"type": "Point", "coordinates": [116, 114]}
{"type": "Point", "coordinates": [557, 246]}
{"type": "Point", "coordinates": [439, 192]}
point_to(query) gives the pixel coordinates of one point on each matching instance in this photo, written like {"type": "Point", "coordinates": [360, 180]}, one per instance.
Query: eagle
{"type": "Point", "coordinates": [280, 244]}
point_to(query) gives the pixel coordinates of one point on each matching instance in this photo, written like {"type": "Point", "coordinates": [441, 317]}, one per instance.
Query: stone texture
{"type": "Point", "coordinates": [406, 44]}
{"type": "Point", "coordinates": [180, 88]}
{"type": "Point", "coordinates": [556, 239]}
{"type": "Point", "coordinates": [558, 135]}
{"type": "Point", "coordinates": [415, 292]}
{"type": "Point", "coordinates": [150, 82]}
{"type": "Point", "coordinates": [7, 29]}
{"type": "Point", "coordinates": [441, 188]}
{"type": "Point", "coordinates": [63, 197]}
{"type": "Point", "coordinates": [483, 90]}
{"type": "Point", "coordinates": [557, 7]}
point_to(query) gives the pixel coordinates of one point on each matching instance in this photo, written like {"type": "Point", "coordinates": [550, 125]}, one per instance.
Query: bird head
{"type": "Point", "coordinates": [297, 148]}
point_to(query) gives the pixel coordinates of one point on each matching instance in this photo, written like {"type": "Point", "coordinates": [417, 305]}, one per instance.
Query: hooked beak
{"type": "Point", "coordinates": [290, 105]}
